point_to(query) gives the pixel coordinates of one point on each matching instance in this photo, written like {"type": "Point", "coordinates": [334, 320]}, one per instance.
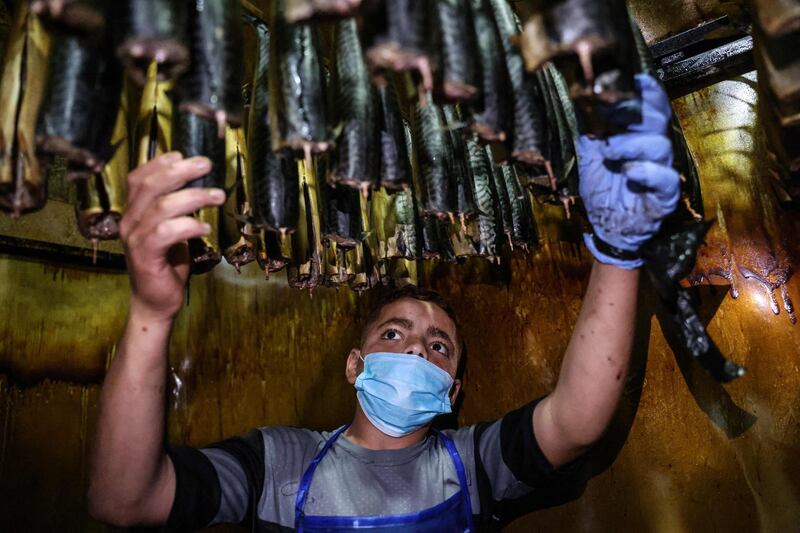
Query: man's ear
{"type": "Point", "coordinates": [353, 364]}
{"type": "Point", "coordinates": [454, 390]}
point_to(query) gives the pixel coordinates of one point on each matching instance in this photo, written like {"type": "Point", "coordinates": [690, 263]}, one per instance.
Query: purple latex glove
{"type": "Point", "coordinates": [627, 182]}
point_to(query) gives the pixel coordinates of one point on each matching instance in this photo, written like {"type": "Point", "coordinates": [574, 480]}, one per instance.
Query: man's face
{"type": "Point", "coordinates": [412, 327]}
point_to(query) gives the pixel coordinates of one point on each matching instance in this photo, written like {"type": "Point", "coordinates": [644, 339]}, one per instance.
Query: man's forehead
{"type": "Point", "coordinates": [418, 313]}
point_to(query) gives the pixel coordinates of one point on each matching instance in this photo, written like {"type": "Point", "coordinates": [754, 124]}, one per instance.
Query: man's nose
{"type": "Point", "coordinates": [416, 348]}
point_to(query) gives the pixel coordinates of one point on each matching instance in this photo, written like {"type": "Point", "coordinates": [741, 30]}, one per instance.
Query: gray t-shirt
{"type": "Point", "coordinates": [253, 480]}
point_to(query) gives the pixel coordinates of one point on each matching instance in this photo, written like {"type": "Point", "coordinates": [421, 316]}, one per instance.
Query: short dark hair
{"type": "Point", "coordinates": [423, 295]}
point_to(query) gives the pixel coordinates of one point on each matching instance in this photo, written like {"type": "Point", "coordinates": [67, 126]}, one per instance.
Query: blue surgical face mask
{"type": "Point", "coordinates": [400, 393]}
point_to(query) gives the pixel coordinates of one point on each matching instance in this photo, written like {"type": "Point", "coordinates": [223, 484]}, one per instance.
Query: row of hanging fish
{"type": "Point", "coordinates": [430, 103]}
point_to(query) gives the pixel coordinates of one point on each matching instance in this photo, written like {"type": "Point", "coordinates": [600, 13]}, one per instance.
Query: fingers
{"type": "Point", "coordinates": [638, 147]}
{"type": "Point", "coordinates": [183, 202]}
{"type": "Point", "coordinates": [173, 231]}
{"type": "Point", "coordinates": [589, 149]}
{"type": "Point", "coordinates": [663, 181]}
{"type": "Point", "coordinates": [160, 180]}
{"type": "Point", "coordinates": [156, 165]}
{"type": "Point", "coordinates": [656, 107]}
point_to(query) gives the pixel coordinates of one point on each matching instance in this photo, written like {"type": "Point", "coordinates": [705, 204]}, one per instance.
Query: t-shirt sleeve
{"type": "Point", "coordinates": [217, 484]}
{"type": "Point", "coordinates": [514, 476]}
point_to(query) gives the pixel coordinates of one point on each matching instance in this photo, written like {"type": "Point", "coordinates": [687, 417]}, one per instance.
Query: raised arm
{"type": "Point", "coordinates": [628, 186]}
{"type": "Point", "coordinates": [132, 480]}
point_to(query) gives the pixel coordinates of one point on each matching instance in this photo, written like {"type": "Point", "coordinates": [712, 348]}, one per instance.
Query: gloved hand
{"type": "Point", "coordinates": [627, 182]}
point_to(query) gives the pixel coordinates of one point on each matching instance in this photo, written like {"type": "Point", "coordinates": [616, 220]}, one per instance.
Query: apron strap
{"type": "Point", "coordinates": [460, 471]}
{"type": "Point", "coordinates": [305, 483]}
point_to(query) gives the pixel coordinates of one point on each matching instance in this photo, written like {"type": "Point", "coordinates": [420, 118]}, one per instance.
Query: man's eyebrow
{"type": "Point", "coordinates": [402, 322]}
{"type": "Point", "coordinates": [433, 331]}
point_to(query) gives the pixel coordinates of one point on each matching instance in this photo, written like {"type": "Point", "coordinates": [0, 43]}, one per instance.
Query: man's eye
{"type": "Point", "coordinates": [439, 347]}
{"type": "Point", "coordinates": [391, 334]}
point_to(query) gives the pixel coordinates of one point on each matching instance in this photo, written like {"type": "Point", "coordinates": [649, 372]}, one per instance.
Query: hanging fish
{"type": "Point", "coordinates": [77, 117]}
{"type": "Point", "coordinates": [154, 30]}
{"type": "Point", "coordinates": [296, 91]}
{"type": "Point", "coordinates": [455, 38]}
{"type": "Point", "coordinates": [341, 216]}
{"type": "Point", "coordinates": [356, 269]}
{"type": "Point", "coordinates": [272, 251]}
{"type": "Point", "coordinates": [563, 181]}
{"type": "Point", "coordinates": [406, 240]}
{"type": "Point", "coordinates": [85, 19]}
{"type": "Point", "coordinates": [485, 198]}
{"type": "Point", "coordinates": [594, 49]}
{"type": "Point", "coordinates": [274, 182]}
{"type": "Point", "coordinates": [237, 247]}
{"type": "Point", "coordinates": [523, 231]}
{"type": "Point", "coordinates": [305, 268]}
{"type": "Point", "coordinates": [436, 189]}
{"type": "Point", "coordinates": [356, 113]}
{"type": "Point", "coordinates": [396, 36]}
{"type": "Point", "coordinates": [436, 240]}
{"type": "Point", "coordinates": [195, 135]}
{"type": "Point", "coordinates": [459, 169]}
{"type": "Point", "coordinates": [395, 168]}
{"type": "Point", "coordinates": [528, 134]}
{"type": "Point", "coordinates": [306, 10]}
{"type": "Point", "coordinates": [212, 87]}
{"type": "Point", "coordinates": [153, 129]}
{"type": "Point", "coordinates": [101, 198]}
{"type": "Point", "coordinates": [23, 186]}
{"type": "Point", "coordinates": [491, 114]}
{"type": "Point", "coordinates": [691, 207]}
{"type": "Point", "coordinates": [382, 223]}
{"type": "Point", "coordinates": [505, 223]}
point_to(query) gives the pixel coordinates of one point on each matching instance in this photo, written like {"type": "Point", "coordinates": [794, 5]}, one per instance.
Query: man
{"type": "Point", "coordinates": [387, 469]}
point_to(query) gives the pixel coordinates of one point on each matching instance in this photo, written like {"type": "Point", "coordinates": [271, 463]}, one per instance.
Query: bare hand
{"type": "Point", "coordinates": [156, 227]}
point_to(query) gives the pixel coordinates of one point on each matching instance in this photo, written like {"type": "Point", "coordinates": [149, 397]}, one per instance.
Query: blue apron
{"type": "Point", "coordinates": [452, 515]}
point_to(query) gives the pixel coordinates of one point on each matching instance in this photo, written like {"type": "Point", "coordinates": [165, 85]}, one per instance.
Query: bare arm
{"type": "Point", "coordinates": [578, 411]}
{"type": "Point", "coordinates": [132, 480]}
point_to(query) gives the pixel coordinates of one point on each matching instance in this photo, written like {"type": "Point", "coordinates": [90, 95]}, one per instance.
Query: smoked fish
{"type": "Point", "coordinates": [406, 238]}
{"type": "Point", "coordinates": [436, 188]}
{"type": "Point", "coordinates": [505, 222]}
{"type": "Point", "coordinates": [528, 133]}
{"type": "Point", "coordinates": [23, 179]}
{"type": "Point", "coordinates": [396, 38]}
{"type": "Point", "coordinates": [485, 198]}
{"type": "Point", "coordinates": [196, 135]}
{"type": "Point", "coordinates": [356, 154]}
{"type": "Point", "coordinates": [296, 89]}
{"type": "Point", "coordinates": [455, 40]}
{"type": "Point", "coordinates": [236, 238]}
{"type": "Point", "coordinates": [272, 251]}
{"type": "Point", "coordinates": [458, 164]}
{"type": "Point", "coordinates": [274, 183]}
{"type": "Point", "coordinates": [523, 231]}
{"type": "Point", "coordinates": [491, 113]}
{"type": "Point", "coordinates": [77, 117]}
{"type": "Point", "coordinates": [395, 166]}
{"type": "Point", "coordinates": [153, 125]}
{"type": "Point", "coordinates": [597, 35]}
{"type": "Point", "coordinates": [102, 197]}
{"type": "Point", "coordinates": [340, 210]}
{"type": "Point", "coordinates": [305, 268]}
{"type": "Point", "coordinates": [154, 30]}
{"type": "Point", "coordinates": [212, 86]}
